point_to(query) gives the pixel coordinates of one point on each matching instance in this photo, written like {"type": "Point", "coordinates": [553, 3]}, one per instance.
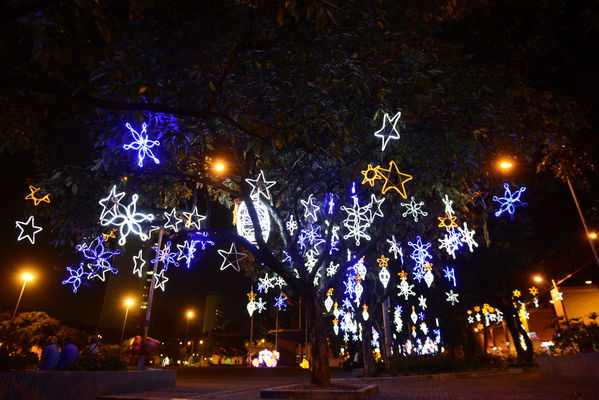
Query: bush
{"type": "Point", "coordinates": [108, 360]}
{"type": "Point", "coordinates": [577, 337]}
{"type": "Point", "coordinates": [17, 361]}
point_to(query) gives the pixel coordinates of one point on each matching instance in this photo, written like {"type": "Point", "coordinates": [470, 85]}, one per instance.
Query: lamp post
{"type": "Point", "coordinates": [128, 303]}
{"type": "Point", "coordinates": [26, 277]}
{"type": "Point", "coordinates": [189, 315]}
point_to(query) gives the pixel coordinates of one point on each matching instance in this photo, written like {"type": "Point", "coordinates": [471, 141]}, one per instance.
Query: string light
{"type": "Point", "coordinates": [414, 209]}
{"type": "Point", "coordinates": [129, 221]}
{"type": "Point", "coordinates": [142, 144]}
{"type": "Point", "coordinates": [236, 258]}
{"type": "Point", "coordinates": [387, 133]}
{"type": "Point", "coordinates": [138, 264]}
{"type": "Point", "coordinates": [31, 227]}
{"type": "Point", "coordinates": [244, 224]}
{"type": "Point", "coordinates": [509, 201]}
{"type": "Point", "coordinates": [388, 184]}
{"type": "Point", "coordinates": [161, 280]}
{"type": "Point", "coordinates": [260, 186]}
{"type": "Point", "coordinates": [37, 200]}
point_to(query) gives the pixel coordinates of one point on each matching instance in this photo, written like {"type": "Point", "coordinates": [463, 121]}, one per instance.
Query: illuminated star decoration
{"type": "Point", "coordinates": [260, 186]}
{"type": "Point", "coordinates": [30, 235]}
{"type": "Point", "coordinates": [509, 201]}
{"type": "Point", "coordinates": [414, 209]}
{"type": "Point", "coordinates": [391, 132]}
{"type": "Point", "coordinates": [390, 184]}
{"type": "Point", "coordinates": [129, 221]}
{"type": "Point", "coordinates": [478, 196]}
{"type": "Point", "coordinates": [467, 236]}
{"type": "Point", "coordinates": [193, 219]}
{"type": "Point", "coordinates": [109, 235]}
{"type": "Point", "coordinates": [165, 256]}
{"type": "Point", "coordinates": [371, 174]}
{"type": "Point", "coordinates": [186, 251]}
{"type": "Point", "coordinates": [236, 257]}
{"type": "Point", "coordinates": [97, 258]}
{"type": "Point", "coordinates": [533, 291]}
{"type": "Point", "coordinates": [516, 293]}
{"type": "Point", "coordinates": [172, 220]}
{"type": "Point", "coordinates": [142, 144]}
{"type": "Point", "coordinates": [310, 208]}
{"type": "Point", "coordinates": [36, 200]}
{"type": "Point", "coordinates": [75, 276]}
{"type": "Point", "coordinates": [138, 264]}
{"type": "Point", "coordinates": [110, 205]}
{"type": "Point", "coordinates": [160, 279]}
{"type": "Point", "coordinates": [395, 248]}
{"type": "Point", "coordinates": [447, 221]}
{"type": "Point", "coordinates": [280, 301]}
{"type": "Point", "coordinates": [452, 297]}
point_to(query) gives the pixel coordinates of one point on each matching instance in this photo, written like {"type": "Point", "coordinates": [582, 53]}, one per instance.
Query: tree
{"type": "Point", "coordinates": [292, 89]}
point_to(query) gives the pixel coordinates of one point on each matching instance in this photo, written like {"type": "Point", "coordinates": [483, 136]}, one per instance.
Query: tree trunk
{"type": "Point", "coordinates": [369, 363]}
{"type": "Point", "coordinates": [513, 325]}
{"type": "Point", "coordinates": [319, 364]}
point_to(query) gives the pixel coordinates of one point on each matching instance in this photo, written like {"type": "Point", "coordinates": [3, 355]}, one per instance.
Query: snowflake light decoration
{"type": "Point", "coordinates": [449, 274]}
{"type": "Point", "coordinates": [266, 283]}
{"type": "Point", "coordinates": [280, 301]}
{"type": "Point", "coordinates": [405, 289]}
{"type": "Point", "coordinates": [357, 221]}
{"type": "Point", "coordinates": [142, 144]}
{"type": "Point", "coordinates": [509, 201]}
{"type": "Point", "coordinates": [388, 132]}
{"type": "Point", "coordinates": [332, 269]}
{"type": "Point", "coordinates": [165, 256]}
{"type": "Point", "coordinates": [422, 302]}
{"type": "Point", "coordinates": [97, 258]}
{"type": "Point", "coordinates": [129, 221]}
{"type": "Point", "coordinates": [467, 236]}
{"type": "Point", "coordinates": [75, 277]}
{"type": "Point", "coordinates": [30, 224]}
{"type": "Point", "coordinates": [291, 225]}
{"type": "Point", "coordinates": [448, 205]}
{"type": "Point", "coordinates": [450, 242]}
{"type": "Point", "coordinates": [420, 251]}
{"type": "Point", "coordinates": [231, 258]}
{"type": "Point", "coordinates": [452, 297]}
{"type": "Point", "coordinates": [260, 305]}
{"type": "Point", "coordinates": [414, 209]}
{"type": "Point", "coordinates": [395, 248]}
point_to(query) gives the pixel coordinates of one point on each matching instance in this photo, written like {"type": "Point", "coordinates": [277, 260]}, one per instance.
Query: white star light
{"type": "Point", "coordinates": [387, 133]}
{"type": "Point", "coordinates": [375, 202]}
{"type": "Point", "coordinates": [172, 220]}
{"type": "Point", "coordinates": [260, 186]}
{"type": "Point", "coordinates": [129, 221]}
{"type": "Point", "coordinates": [467, 236]}
{"type": "Point", "coordinates": [395, 248]}
{"type": "Point", "coordinates": [414, 209]}
{"type": "Point", "coordinates": [110, 205]}
{"type": "Point", "coordinates": [161, 280]}
{"type": "Point", "coordinates": [452, 297]}
{"type": "Point", "coordinates": [193, 219]}
{"type": "Point", "coordinates": [186, 251]}
{"type": "Point", "coordinates": [30, 235]}
{"type": "Point", "coordinates": [138, 264]}
{"type": "Point", "coordinates": [310, 208]}
{"type": "Point", "coordinates": [236, 255]}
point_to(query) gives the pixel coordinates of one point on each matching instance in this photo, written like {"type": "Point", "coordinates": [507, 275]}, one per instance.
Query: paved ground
{"type": "Point", "coordinates": [234, 383]}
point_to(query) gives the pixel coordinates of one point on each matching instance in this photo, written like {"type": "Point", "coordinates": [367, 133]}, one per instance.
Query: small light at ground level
{"type": "Point", "coordinates": [588, 282]}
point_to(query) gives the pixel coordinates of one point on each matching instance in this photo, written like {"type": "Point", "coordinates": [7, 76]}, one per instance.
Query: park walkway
{"type": "Point", "coordinates": [234, 384]}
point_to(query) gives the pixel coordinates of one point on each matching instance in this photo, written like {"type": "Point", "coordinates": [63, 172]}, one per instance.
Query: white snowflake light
{"type": "Point", "coordinates": [467, 236]}
{"type": "Point", "coordinates": [405, 289]}
{"type": "Point", "coordinates": [395, 248]}
{"type": "Point", "coordinates": [291, 225]}
{"type": "Point", "coordinates": [142, 144]}
{"type": "Point", "coordinates": [422, 302]}
{"type": "Point", "coordinates": [414, 209]}
{"type": "Point", "coordinates": [128, 220]}
{"type": "Point", "coordinates": [452, 297]}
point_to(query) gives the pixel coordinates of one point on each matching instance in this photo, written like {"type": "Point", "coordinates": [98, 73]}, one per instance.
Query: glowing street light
{"type": "Point", "coordinates": [219, 166]}
{"type": "Point", "coordinates": [505, 164]}
{"type": "Point", "coordinates": [128, 303]}
{"type": "Point", "coordinates": [537, 278]}
{"type": "Point", "coordinates": [189, 315]}
{"type": "Point", "coordinates": [26, 277]}
{"type": "Point", "coordinates": [593, 235]}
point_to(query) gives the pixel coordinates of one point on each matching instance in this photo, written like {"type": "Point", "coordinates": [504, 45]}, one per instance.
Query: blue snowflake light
{"type": "Point", "coordinates": [75, 277]}
{"type": "Point", "coordinates": [165, 256]}
{"type": "Point", "coordinates": [280, 301]}
{"type": "Point", "coordinates": [142, 144]}
{"type": "Point", "coordinates": [449, 274]}
{"type": "Point", "coordinates": [97, 258]}
{"type": "Point", "coordinates": [509, 201]}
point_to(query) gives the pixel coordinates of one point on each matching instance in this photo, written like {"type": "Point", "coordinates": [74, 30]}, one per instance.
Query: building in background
{"type": "Point", "coordinates": [213, 312]}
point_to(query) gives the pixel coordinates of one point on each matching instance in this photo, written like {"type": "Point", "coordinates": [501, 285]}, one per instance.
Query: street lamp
{"type": "Point", "coordinates": [26, 277]}
{"type": "Point", "coordinates": [505, 164]}
{"type": "Point", "coordinates": [189, 316]}
{"type": "Point", "coordinates": [128, 303]}
{"type": "Point", "coordinates": [537, 278]}
{"type": "Point", "coordinates": [219, 166]}
{"type": "Point", "coordinates": [592, 235]}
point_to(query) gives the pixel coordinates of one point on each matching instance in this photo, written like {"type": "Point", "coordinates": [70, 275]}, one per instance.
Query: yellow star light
{"type": "Point", "coordinates": [371, 174]}
{"type": "Point", "coordinates": [390, 184]}
{"type": "Point", "coordinates": [36, 200]}
{"type": "Point", "coordinates": [447, 222]}
{"type": "Point", "coordinates": [533, 291]}
{"type": "Point", "coordinates": [251, 295]}
{"type": "Point", "coordinates": [110, 235]}
{"type": "Point", "coordinates": [383, 261]}
{"type": "Point", "coordinates": [428, 266]}
{"type": "Point", "coordinates": [403, 275]}
{"type": "Point", "coordinates": [330, 292]}
{"type": "Point", "coordinates": [476, 308]}
{"type": "Point", "coordinates": [516, 293]}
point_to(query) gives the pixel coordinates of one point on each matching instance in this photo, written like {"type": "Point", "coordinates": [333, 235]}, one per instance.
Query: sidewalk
{"type": "Point", "coordinates": [525, 385]}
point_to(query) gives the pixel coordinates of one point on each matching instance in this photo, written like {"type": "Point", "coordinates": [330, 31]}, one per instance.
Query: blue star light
{"type": "Point", "coordinates": [509, 201]}
{"type": "Point", "coordinates": [142, 144]}
{"type": "Point", "coordinates": [97, 258]}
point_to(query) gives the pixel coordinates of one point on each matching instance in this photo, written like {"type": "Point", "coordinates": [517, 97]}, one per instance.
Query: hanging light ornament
{"type": "Point", "coordinates": [328, 303]}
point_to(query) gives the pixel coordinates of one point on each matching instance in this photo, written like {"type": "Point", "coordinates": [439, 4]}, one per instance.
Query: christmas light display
{"type": "Point", "coordinates": [388, 132]}
{"type": "Point", "coordinates": [260, 305]}
{"type": "Point", "coordinates": [478, 197]}
{"type": "Point", "coordinates": [245, 226]}
{"type": "Point", "coordinates": [109, 235]}
{"type": "Point", "coordinates": [375, 211]}
{"type": "Point", "coordinates": [447, 221]}
{"type": "Point", "coordinates": [193, 219]}
{"type": "Point", "coordinates": [291, 225]}
{"type": "Point", "coordinates": [172, 220]}
{"type": "Point", "coordinates": [357, 221]}
{"type": "Point", "coordinates": [260, 186]}
{"type": "Point", "coordinates": [110, 205]}
{"type": "Point", "coordinates": [397, 318]}
{"type": "Point", "coordinates": [75, 277]}
{"type": "Point", "coordinates": [371, 174]}
{"type": "Point", "coordinates": [231, 258]}
{"type": "Point", "coordinates": [414, 209]}
{"type": "Point", "coordinates": [395, 248]}
{"type": "Point", "coordinates": [450, 242]}
{"type": "Point", "coordinates": [449, 274]}
{"type": "Point", "coordinates": [516, 293]}
{"type": "Point", "coordinates": [30, 227]}
{"type": "Point", "coordinates": [391, 184]}
{"type": "Point", "coordinates": [467, 236]}
{"type": "Point", "coordinates": [160, 280]}
{"type": "Point", "coordinates": [452, 297]}
{"type": "Point", "coordinates": [332, 269]}
{"type": "Point", "coordinates": [328, 303]}
{"type": "Point", "coordinates": [509, 201]}
{"type": "Point", "coordinates": [266, 358]}
{"type": "Point", "coordinates": [448, 203]}
{"type": "Point", "coordinates": [405, 289]}
{"type": "Point", "coordinates": [383, 261]}
{"type": "Point", "coordinates": [422, 302]}
{"type": "Point", "coordinates": [138, 264]}
{"type": "Point", "coordinates": [265, 283]}
{"type": "Point", "coordinates": [165, 256]}
{"type": "Point", "coordinates": [37, 200]}
{"type": "Point", "coordinates": [533, 291]}
{"type": "Point", "coordinates": [365, 314]}
{"type": "Point", "coordinates": [97, 258]}
{"type": "Point", "coordinates": [128, 221]}
{"type": "Point", "coordinates": [280, 301]}
{"type": "Point", "coordinates": [428, 274]}
{"type": "Point", "coordinates": [310, 208]}
{"type": "Point", "coordinates": [142, 144]}
{"type": "Point", "coordinates": [186, 251]}
{"type": "Point", "coordinates": [420, 251]}
{"type": "Point", "coordinates": [384, 276]}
